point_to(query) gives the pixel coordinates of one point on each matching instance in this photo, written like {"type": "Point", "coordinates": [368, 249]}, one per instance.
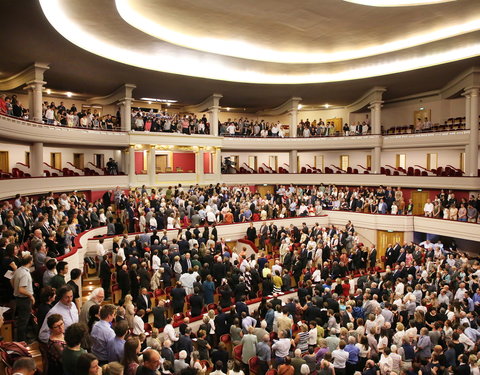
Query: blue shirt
{"type": "Point", "coordinates": [353, 353]}
{"type": "Point", "coordinates": [115, 350]}
{"type": "Point", "coordinates": [101, 335]}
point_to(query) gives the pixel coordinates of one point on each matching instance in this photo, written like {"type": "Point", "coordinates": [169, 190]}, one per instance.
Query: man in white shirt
{"type": "Point", "coordinates": [138, 323]}
{"type": "Point", "coordinates": [340, 358]}
{"type": "Point", "coordinates": [65, 307]}
{"type": "Point", "coordinates": [428, 208]}
{"type": "Point", "coordinates": [460, 293]}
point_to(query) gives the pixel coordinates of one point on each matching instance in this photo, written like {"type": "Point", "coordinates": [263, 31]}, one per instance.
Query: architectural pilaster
{"type": "Point", "coordinates": [131, 165]}
{"type": "Point", "coordinates": [199, 170]}
{"type": "Point", "coordinates": [474, 133]}
{"type": "Point", "coordinates": [292, 162]}
{"type": "Point", "coordinates": [151, 167]}
{"type": "Point", "coordinates": [35, 89]}
{"type": "Point", "coordinates": [36, 159]}
{"type": "Point", "coordinates": [376, 116]}
{"type": "Point", "coordinates": [376, 159]}
{"type": "Point", "coordinates": [293, 114]}
{"type": "Point", "coordinates": [213, 119]}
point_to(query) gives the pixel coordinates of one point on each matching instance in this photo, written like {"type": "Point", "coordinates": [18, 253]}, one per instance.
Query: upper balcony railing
{"type": "Point", "coordinates": [28, 131]}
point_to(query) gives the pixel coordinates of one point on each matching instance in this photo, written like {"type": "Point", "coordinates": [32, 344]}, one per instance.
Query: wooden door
{"type": "Point", "coordinates": [4, 164]}
{"type": "Point", "coordinates": [263, 190]}
{"type": "Point", "coordinates": [161, 163]}
{"type": "Point", "coordinates": [79, 161]}
{"type": "Point", "coordinates": [98, 160]}
{"type": "Point", "coordinates": [56, 160]}
{"type": "Point", "coordinates": [419, 198]}
{"type": "Point", "coordinates": [384, 238]}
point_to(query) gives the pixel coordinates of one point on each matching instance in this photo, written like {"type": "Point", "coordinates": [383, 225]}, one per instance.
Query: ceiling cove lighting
{"type": "Point", "coordinates": [159, 100]}
{"type": "Point", "coordinates": [199, 66]}
{"type": "Point", "coordinates": [397, 3]}
{"type": "Point", "coordinates": [251, 51]}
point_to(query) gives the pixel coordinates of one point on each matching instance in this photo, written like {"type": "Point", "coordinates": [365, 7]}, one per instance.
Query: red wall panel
{"type": "Point", "coordinates": [139, 162]}
{"type": "Point", "coordinates": [184, 160]}
{"type": "Point", "coordinates": [207, 162]}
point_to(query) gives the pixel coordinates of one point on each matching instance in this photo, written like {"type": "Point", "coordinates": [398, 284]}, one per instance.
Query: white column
{"type": "Point", "coordinates": [292, 162]}
{"type": "Point", "coordinates": [131, 165]}
{"type": "Point", "coordinates": [199, 157]}
{"type": "Point", "coordinates": [123, 161]}
{"type": "Point", "coordinates": [376, 159]}
{"type": "Point", "coordinates": [376, 116]}
{"type": "Point", "coordinates": [293, 122]}
{"type": "Point", "coordinates": [36, 89]}
{"type": "Point", "coordinates": [473, 132]}
{"type": "Point", "coordinates": [467, 161]}
{"type": "Point", "coordinates": [213, 120]}
{"type": "Point", "coordinates": [468, 101]}
{"type": "Point", "coordinates": [217, 165]}
{"type": "Point", "coordinates": [126, 114]}
{"type": "Point", "coordinates": [36, 159]}
{"type": "Point", "coordinates": [151, 167]}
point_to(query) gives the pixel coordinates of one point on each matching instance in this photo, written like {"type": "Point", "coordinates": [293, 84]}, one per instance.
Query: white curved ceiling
{"type": "Point", "coordinates": [272, 41]}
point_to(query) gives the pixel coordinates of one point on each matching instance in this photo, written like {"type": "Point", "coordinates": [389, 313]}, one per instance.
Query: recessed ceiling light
{"type": "Point", "coordinates": [168, 104]}
{"type": "Point", "coordinates": [327, 106]}
{"type": "Point", "coordinates": [69, 94]}
{"type": "Point", "coordinates": [397, 3]}
{"type": "Point", "coordinates": [228, 108]}
{"type": "Point", "coordinates": [299, 106]}
{"type": "Point", "coordinates": [49, 91]}
{"type": "Point", "coordinates": [149, 102]}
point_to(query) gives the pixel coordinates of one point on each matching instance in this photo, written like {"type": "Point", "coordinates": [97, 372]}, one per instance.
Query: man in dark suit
{"type": "Point", "coordinates": [240, 289]}
{"type": "Point", "coordinates": [185, 343]}
{"type": "Point", "coordinates": [196, 303]}
{"type": "Point", "coordinates": [105, 275]}
{"type": "Point", "coordinates": [186, 263]}
{"type": "Point", "coordinates": [241, 306]}
{"type": "Point", "coordinates": [390, 256]}
{"type": "Point", "coordinates": [159, 320]}
{"type": "Point", "coordinates": [219, 271]}
{"type": "Point", "coordinates": [144, 302]}
{"type": "Point", "coordinates": [221, 324]}
{"type": "Point", "coordinates": [178, 298]}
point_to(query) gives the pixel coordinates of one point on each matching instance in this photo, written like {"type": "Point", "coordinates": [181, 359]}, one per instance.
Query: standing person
{"type": "Point", "coordinates": [102, 333]}
{"type": "Point", "coordinates": [56, 344]}
{"type": "Point", "coordinates": [23, 292]}
{"type": "Point", "coordinates": [73, 337]}
{"type": "Point", "coordinates": [105, 275]}
{"type": "Point", "coordinates": [340, 357]}
{"type": "Point", "coordinates": [65, 307]}
{"type": "Point", "coordinates": [249, 342]}
{"type": "Point", "coordinates": [74, 282]}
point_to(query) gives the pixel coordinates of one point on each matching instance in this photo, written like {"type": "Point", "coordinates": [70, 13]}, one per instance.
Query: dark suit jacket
{"type": "Point", "coordinates": [221, 325]}
{"type": "Point", "coordinates": [196, 304]}
{"type": "Point", "coordinates": [105, 272]}
{"type": "Point", "coordinates": [185, 343]}
{"type": "Point", "coordinates": [159, 317]}
{"type": "Point", "coordinates": [141, 302]}
{"type": "Point", "coordinates": [178, 296]}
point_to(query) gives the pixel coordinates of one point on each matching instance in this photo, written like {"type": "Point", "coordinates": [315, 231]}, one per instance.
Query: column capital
{"type": "Point", "coordinates": [35, 84]}
{"type": "Point", "coordinates": [471, 91]}
{"type": "Point", "coordinates": [376, 104]}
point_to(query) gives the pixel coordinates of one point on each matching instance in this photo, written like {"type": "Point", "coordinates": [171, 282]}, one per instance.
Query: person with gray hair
{"type": "Point", "coordinates": [180, 363]}
{"type": "Point", "coordinates": [96, 298]}
{"type": "Point", "coordinates": [24, 366]}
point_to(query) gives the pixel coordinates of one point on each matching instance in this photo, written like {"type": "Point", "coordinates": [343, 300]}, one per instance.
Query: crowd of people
{"type": "Point", "coordinates": [162, 121]}
{"type": "Point", "coordinates": [418, 315]}
{"type": "Point", "coordinates": [11, 106]}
